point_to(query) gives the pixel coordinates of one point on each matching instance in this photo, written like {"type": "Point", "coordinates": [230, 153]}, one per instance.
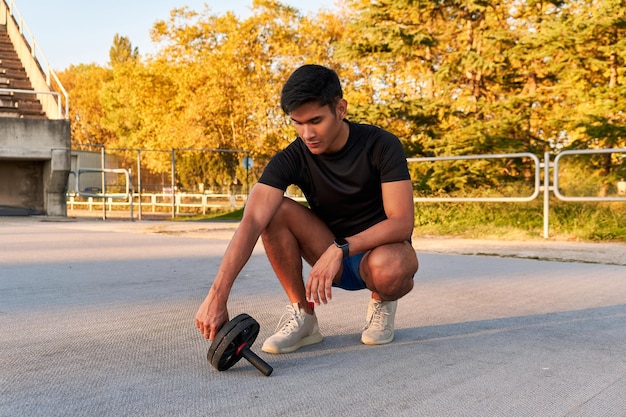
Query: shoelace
{"type": "Point", "coordinates": [290, 321]}
{"type": "Point", "coordinates": [377, 320]}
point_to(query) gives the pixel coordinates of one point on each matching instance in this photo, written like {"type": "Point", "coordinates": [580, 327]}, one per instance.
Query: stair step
{"type": "Point", "coordinates": [11, 64]}
{"type": "Point", "coordinates": [8, 55]}
{"type": "Point", "coordinates": [7, 103]}
{"type": "Point", "coordinates": [9, 113]}
{"type": "Point", "coordinates": [13, 73]}
{"type": "Point", "coordinates": [29, 106]}
{"type": "Point", "coordinates": [17, 84]}
{"type": "Point", "coordinates": [13, 76]}
{"type": "Point", "coordinates": [11, 95]}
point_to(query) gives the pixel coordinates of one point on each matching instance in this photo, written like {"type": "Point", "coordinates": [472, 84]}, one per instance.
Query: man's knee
{"type": "Point", "coordinates": [280, 216]}
{"type": "Point", "coordinates": [391, 269]}
{"type": "Point", "coordinates": [287, 221]}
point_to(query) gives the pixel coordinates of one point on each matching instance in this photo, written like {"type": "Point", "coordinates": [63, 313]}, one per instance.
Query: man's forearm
{"type": "Point", "coordinates": [385, 232]}
{"type": "Point", "coordinates": [236, 256]}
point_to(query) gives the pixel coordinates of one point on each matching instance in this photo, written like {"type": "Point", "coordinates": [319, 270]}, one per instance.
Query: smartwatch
{"type": "Point", "coordinates": [342, 244]}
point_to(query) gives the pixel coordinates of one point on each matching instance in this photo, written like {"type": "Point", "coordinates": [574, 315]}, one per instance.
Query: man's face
{"type": "Point", "coordinates": [320, 129]}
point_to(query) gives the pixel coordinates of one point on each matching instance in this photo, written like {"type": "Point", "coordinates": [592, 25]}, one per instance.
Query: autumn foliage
{"type": "Point", "coordinates": [448, 77]}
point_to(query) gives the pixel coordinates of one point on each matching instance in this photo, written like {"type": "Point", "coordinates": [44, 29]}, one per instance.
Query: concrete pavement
{"type": "Point", "coordinates": [96, 318]}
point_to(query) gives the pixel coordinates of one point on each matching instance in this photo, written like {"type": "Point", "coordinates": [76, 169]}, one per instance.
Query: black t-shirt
{"type": "Point", "coordinates": [343, 188]}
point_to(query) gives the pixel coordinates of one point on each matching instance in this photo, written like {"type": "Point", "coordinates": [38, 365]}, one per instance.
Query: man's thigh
{"type": "Point", "coordinates": [312, 234]}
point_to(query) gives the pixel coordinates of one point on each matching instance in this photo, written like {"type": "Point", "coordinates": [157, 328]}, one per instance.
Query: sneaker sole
{"type": "Point", "coordinates": [309, 340]}
{"type": "Point", "coordinates": [372, 342]}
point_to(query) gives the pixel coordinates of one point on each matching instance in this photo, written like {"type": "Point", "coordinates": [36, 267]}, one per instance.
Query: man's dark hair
{"type": "Point", "coordinates": [311, 83]}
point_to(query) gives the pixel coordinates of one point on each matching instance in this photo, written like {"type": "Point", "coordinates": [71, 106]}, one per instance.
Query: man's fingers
{"type": "Point", "coordinates": [204, 329]}
{"type": "Point", "coordinates": [315, 297]}
{"type": "Point", "coordinates": [322, 293]}
{"type": "Point", "coordinates": [319, 291]}
{"type": "Point", "coordinates": [311, 290]}
{"type": "Point", "coordinates": [308, 289]}
{"type": "Point", "coordinates": [206, 332]}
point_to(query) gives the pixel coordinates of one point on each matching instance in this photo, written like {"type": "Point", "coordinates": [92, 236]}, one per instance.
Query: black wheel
{"type": "Point", "coordinates": [225, 351]}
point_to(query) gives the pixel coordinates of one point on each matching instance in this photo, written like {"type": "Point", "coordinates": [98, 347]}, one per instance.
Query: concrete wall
{"type": "Point", "coordinates": [21, 186]}
{"type": "Point", "coordinates": [34, 164]}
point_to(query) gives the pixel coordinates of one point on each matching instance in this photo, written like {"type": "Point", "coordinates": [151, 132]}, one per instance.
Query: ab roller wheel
{"type": "Point", "coordinates": [233, 342]}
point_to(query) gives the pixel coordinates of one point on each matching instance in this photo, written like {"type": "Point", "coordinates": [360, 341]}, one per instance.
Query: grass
{"type": "Point", "coordinates": [226, 215]}
{"type": "Point", "coordinates": [592, 222]}
{"type": "Point", "coordinates": [589, 222]}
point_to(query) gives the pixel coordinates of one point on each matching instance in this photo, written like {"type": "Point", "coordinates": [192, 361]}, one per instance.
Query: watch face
{"type": "Point", "coordinates": [342, 244]}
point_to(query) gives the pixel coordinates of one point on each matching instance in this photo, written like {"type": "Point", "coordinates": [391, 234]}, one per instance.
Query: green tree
{"type": "Point", "coordinates": [600, 113]}
{"type": "Point", "coordinates": [122, 50]}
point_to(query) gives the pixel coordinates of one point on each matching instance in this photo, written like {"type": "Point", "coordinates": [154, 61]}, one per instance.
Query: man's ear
{"type": "Point", "coordinates": [342, 108]}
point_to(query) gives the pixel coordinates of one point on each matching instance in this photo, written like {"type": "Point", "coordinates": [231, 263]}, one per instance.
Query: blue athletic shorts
{"type": "Point", "coordinates": [351, 277]}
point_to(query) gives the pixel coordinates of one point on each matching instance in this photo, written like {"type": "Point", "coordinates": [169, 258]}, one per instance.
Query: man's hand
{"type": "Point", "coordinates": [319, 284]}
{"type": "Point", "coordinates": [210, 318]}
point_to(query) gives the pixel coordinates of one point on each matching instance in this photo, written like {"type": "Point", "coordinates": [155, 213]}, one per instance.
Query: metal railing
{"type": "Point", "coordinates": [153, 201]}
{"type": "Point", "coordinates": [546, 187]}
{"type": "Point", "coordinates": [177, 200]}
{"type": "Point", "coordinates": [158, 202]}
{"type": "Point", "coordinates": [52, 93]}
{"type": "Point", "coordinates": [38, 56]}
{"type": "Point", "coordinates": [484, 199]}
{"type": "Point", "coordinates": [560, 195]}
{"type": "Point", "coordinates": [120, 196]}
{"type": "Point", "coordinates": [126, 195]}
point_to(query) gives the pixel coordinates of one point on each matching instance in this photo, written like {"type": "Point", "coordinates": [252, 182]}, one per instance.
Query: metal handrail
{"type": "Point", "coordinates": [39, 56]}
{"type": "Point", "coordinates": [120, 196]}
{"type": "Point", "coordinates": [54, 93]}
{"type": "Point", "coordinates": [558, 193]}
{"type": "Point", "coordinates": [484, 199]}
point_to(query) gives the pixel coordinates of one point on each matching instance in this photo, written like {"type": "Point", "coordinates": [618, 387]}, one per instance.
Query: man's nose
{"type": "Point", "coordinates": [308, 132]}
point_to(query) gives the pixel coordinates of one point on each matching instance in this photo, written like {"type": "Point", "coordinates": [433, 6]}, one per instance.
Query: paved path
{"type": "Point", "coordinates": [96, 318]}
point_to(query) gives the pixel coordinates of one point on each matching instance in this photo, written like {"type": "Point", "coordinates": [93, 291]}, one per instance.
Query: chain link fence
{"type": "Point", "coordinates": [159, 183]}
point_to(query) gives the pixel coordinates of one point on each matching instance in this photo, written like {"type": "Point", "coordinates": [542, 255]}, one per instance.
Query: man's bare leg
{"type": "Point", "coordinates": [294, 233]}
{"type": "Point", "coordinates": [388, 272]}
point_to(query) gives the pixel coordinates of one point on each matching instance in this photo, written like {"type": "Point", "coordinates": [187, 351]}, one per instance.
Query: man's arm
{"type": "Point", "coordinates": [260, 208]}
{"type": "Point", "coordinates": [398, 227]}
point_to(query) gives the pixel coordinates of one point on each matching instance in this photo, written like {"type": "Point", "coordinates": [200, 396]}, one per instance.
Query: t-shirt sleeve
{"type": "Point", "coordinates": [281, 170]}
{"type": "Point", "coordinates": [391, 159]}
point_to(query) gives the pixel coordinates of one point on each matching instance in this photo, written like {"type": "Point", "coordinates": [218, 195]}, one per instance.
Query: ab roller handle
{"type": "Point", "coordinates": [255, 360]}
{"type": "Point", "coordinates": [233, 342]}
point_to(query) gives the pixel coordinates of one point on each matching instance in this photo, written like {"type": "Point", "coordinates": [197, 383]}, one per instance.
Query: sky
{"type": "Point", "coordinates": [73, 32]}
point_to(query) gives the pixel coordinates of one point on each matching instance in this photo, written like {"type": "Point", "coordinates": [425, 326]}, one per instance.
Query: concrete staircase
{"type": "Point", "coordinates": [13, 76]}
{"type": "Point", "coordinates": [35, 150]}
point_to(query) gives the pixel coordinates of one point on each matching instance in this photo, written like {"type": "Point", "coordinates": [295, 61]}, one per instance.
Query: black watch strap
{"type": "Point", "coordinates": [343, 244]}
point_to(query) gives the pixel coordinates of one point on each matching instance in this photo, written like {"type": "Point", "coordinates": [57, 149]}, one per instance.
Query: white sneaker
{"type": "Point", "coordinates": [297, 329]}
{"type": "Point", "coordinates": [380, 320]}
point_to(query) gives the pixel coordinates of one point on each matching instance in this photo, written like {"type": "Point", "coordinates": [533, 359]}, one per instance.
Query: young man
{"type": "Point", "coordinates": [356, 233]}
